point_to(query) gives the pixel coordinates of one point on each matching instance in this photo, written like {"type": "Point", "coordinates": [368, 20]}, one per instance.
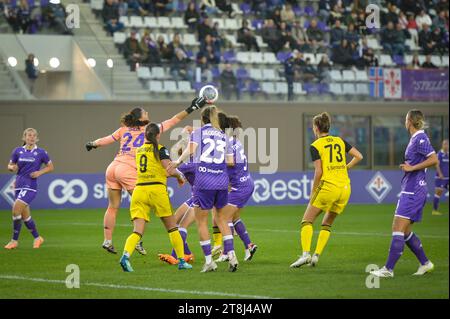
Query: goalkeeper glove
{"type": "Point", "coordinates": [196, 104]}
{"type": "Point", "coordinates": [90, 146]}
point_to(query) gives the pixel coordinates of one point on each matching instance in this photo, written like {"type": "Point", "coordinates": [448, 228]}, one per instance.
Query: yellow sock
{"type": "Point", "coordinates": [177, 242]}
{"type": "Point", "coordinates": [324, 234]}
{"type": "Point", "coordinates": [217, 236]}
{"type": "Point", "coordinates": [131, 242]}
{"type": "Point", "coordinates": [306, 234]}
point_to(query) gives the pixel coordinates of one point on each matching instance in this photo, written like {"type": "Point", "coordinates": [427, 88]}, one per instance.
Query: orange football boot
{"type": "Point", "coordinates": [168, 259]}
{"type": "Point", "coordinates": [13, 244]}
{"type": "Point", "coordinates": [38, 242]}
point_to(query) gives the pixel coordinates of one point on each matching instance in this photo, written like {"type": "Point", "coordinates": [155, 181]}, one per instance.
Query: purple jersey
{"type": "Point", "coordinates": [28, 161]}
{"type": "Point", "coordinates": [188, 170]}
{"type": "Point", "coordinates": [209, 158]}
{"type": "Point", "coordinates": [443, 163]}
{"type": "Point", "coordinates": [417, 151]}
{"type": "Point", "coordinates": [238, 173]}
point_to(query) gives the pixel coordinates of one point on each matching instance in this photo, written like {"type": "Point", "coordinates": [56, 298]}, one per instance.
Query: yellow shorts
{"type": "Point", "coordinates": [331, 198]}
{"type": "Point", "coordinates": [150, 198]}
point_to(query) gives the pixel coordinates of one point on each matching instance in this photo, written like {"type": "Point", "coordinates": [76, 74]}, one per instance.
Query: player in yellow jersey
{"type": "Point", "coordinates": [150, 193]}
{"type": "Point", "coordinates": [331, 187]}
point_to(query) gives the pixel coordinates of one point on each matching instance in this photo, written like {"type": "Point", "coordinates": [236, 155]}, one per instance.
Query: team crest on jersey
{"type": "Point", "coordinates": [379, 187]}
{"type": "Point", "coordinates": [7, 192]}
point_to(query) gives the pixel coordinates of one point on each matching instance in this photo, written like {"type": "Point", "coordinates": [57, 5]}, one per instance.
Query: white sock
{"type": "Point", "coordinates": [208, 259]}
{"type": "Point", "coordinates": [107, 242]}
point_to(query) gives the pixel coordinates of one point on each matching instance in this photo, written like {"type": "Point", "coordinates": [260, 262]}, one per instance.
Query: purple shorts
{"type": "Point", "coordinates": [441, 183]}
{"type": "Point", "coordinates": [190, 201]}
{"type": "Point", "coordinates": [239, 196]}
{"type": "Point", "coordinates": [410, 206]}
{"type": "Point", "coordinates": [25, 195]}
{"type": "Point", "coordinates": [207, 199]}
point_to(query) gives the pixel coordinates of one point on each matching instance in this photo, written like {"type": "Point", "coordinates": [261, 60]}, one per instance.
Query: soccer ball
{"type": "Point", "coordinates": [210, 94]}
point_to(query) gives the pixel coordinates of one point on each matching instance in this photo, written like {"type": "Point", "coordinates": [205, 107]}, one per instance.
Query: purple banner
{"type": "Point", "coordinates": [59, 191]}
{"type": "Point", "coordinates": [425, 85]}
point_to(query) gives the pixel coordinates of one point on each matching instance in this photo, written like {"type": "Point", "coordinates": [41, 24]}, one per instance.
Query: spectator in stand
{"type": "Point", "coordinates": [309, 73]}
{"type": "Point", "coordinates": [288, 14]}
{"type": "Point", "coordinates": [205, 70]}
{"type": "Point", "coordinates": [150, 49]}
{"type": "Point", "coordinates": [286, 36]}
{"type": "Point", "coordinates": [246, 37]}
{"type": "Point", "coordinates": [132, 50]}
{"type": "Point", "coordinates": [389, 40]}
{"type": "Point", "coordinates": [122, 7]}
{"type": "Point", "coordinates": [289, 73]}
{"type": "Point", "coordinates": [216, 34]}
{"type": "Point", "coordinates": [316, 36]}
{"type": "Point", "coordinates": [225, 6]}
{"type": "Point", "coordinates": [343, 54]}
{"type": "Point", "coordinates": [403, 20]}
{"type": "Point", "coordinates": [23, 15]}
{"type": "Point", "coordinates": [391, 15]}
{"type": "Point", "coordinates": [399, 40]}
{"type": "Point", "coordinates": [441, 21]}
{"type": "Point", "coordinates": [31, 70]}
{"type": "Point", "coordinates": [134, 5]}
{"type": "Point", "coordinates": [438, 41]}
{"type": "Point", "coordinates": [163, 48]}
{"type": "Point", "coordinates": [324, 9]}
{"type": "Point", "coordinates": [301, 37]}
{"type": "Point", "coordinates": [191, 16]}
{"type": "Point", "coordinates": [209, 7]}
{"type": "Point", "coordinates": [412, 6]}
{"type": "Point", "coordinates": [368, 58]}
{"type": "Point", "coordinates": [211, 49]}
{"type": "Point", "coordinates": [180, 66]}
{"type": "Point", "coordinates": [426, 40]}
{"type": "Point", "coordinates": [228, 82]}
{"type": "Point", "coordinates": [415, 63]}
{"type": "Point", "coordinates": [161, 7]}
{"type": "Point", "coordinates": [427, 64]}
{"type": "Point", "coordinates": [271, 35]}
{"type": "Point", "coordinates": [275, 15]}
{"type": "Point", "coordinates": [55, 12]}
{"type": "Point", "coordinates": [442, 5]}
{"type": "Point", "coordinates": [337, 34]}
{"type": "Point", "coordinates": [351, 35]}
{"type": "Point", "coordinates": [204, 28]}
{"type": "Point", "coordinates": [336, 14]}
{"type": "Point", "coordinates": [110, 14]}
{"type": "Point", "coordinates": [323, 70]}
{"type": "Point", "coordinates": [423, 19]}
{"type": "Point", "coordinates": [361, 23]}
{"type": "Point", "coordinates": [10, 13]}
{"type": "Point", "coordinates": [174, 45]}
{"type": "Point", "coordinates": [258, 6]}
{"type": "Point", "coordinates": [412, 28]}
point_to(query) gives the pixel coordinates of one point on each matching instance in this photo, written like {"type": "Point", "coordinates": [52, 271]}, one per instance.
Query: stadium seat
{"type": "Point", "coordinates": [256, 57]}
{"type": "Point", "coordinates": [411, 44]}
{"type": "Point", "coordinates": [158, 73]}
{"type": "Point", "coordinates": [189, 39]}
{"type": "Point", "coordinates": [386, 60]}
{"type": "Point", "coordinates": [170, 87]}
{"type": "Point", "coordinates": [167, 37]}
{"type": "Point", "coordinates": [256, 74]}
{"type": "Point", "coordinates": [232, 40]}
{"type": "Point", "coordinates": [421, 58]}
{"type": "Point", "coordinates": [125, 21]}
{"type": "Point", "coordinates": [232, 24]}
{"type": "Point", "coordinates": [136, 22]}
{"type": "Point", "coordinates": [236, 8]}
{"type": "Point", "coordinates": [268, 87]}
{"type": "Point", "coordinates": [336, 88]}
{"type": "Point", "coordinates": [220, 23]}
{"type": "Point", "coordinates": [298, 89]}
{"type": "Point", "coordinates": [281, 87]}
{"type": "Point", "coordinates": [229, 56]}
{"type": "Point", "coordinates": [408, 59]}
{"type": "Point", "coordinates": [164, 23]}
{"type": "Point", "coordinates": [336, 75]}
{"type": "Point", "coordinates": [269, 74]}
{"type": "Point", "coordinates": [143, 72]}
{"type": "Point", "coordinates": [150, 22]}
{"type": "Point", "coordinates": [445, 60]}
{"type": "Point", "coordinates": [155, 86]}
{"type": "Point", "coordinates": [311, 57]}
{"type": "Point", "coordinates": [270, 58]}
{"type": "Point", "coordinates": [260, 41]}
{"type": "Point", "coordinates": [95, 4]}
{"type": "Point", "coordinates": [361, 76]}
{"type": "Point", "coordinates": [119, 37]}
{"type": "Point", "coordinates": [319, 57]}
{"type": "Point", "coordinates": [178, 23]}
{"type": "Point", "coordinates": [242, 74]}
{"type": "Point", "coordinates": [362, 88]}
{"type": "Point", "coordinates": [348, 75]}
{"type": "Point", "coordinates": [436, 60]}
{"type": "Point", "coordinates": [243, 57]}
{"type": "Point", "coordinates": [373, 43]}
{"type": "Point", "coordinates": [348, 88]}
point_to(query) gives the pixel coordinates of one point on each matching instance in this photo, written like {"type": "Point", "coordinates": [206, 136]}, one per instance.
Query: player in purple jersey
{"type": "Point", "coordinates": [27, 162]}
{"type": "Point", "coordinates": [441, 179]}
{"type": "Point", "coordinates": [211, 153]}
{"type": "Point", "coordinates": [241, 189]}
{"type": "Point", "coordinates": [419, 155]}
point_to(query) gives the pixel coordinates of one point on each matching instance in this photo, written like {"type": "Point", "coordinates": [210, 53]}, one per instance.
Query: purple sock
{"type": "Point", "coordinates": [228, 244]}
{"type": "Point", "coordinates": [31, 227]}
{"type": "Point", "coordinates": [242, 232]}
{"type": "Point", "coordinates": [436, 202]}
{"type": "Point", "coordinates": [17, 226]}
{"type": "Point", "coordinates": [206, 247]}
{"type": "Point", "coordinates": [414, 243]}
{"type": "Point", "coordinates": [396, 250]}
{"type": "Point", "coordinates": [183, 233]}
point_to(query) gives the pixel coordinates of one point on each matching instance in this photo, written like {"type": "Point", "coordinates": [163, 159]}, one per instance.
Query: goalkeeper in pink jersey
{"type": "Point", "coordinates": [121, 173]}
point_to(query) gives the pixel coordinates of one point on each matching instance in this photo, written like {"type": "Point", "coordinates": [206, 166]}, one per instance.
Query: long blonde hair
{"type": "Point", "coordinates": [417, 119]}
{"type": "Point", "coordinates": [29, 130]}
{"type": "Point", "coordinates": [211, 115]}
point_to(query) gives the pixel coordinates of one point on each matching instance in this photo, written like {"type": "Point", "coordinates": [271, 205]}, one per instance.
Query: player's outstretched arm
{"type": "Point", "coordinates": [356, 157]}
{"type": "Point", "coordinates": [196, 104]}
{"type": "Point", "coordinates": [100, 142]}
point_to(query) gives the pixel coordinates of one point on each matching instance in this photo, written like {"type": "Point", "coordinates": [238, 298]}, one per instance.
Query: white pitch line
{"type": "Point", "coordinates": [125, 287]}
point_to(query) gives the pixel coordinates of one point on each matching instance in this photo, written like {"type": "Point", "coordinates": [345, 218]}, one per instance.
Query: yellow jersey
{"type": "Point", "coordinates": [149, 169]}
{"type": "Point", "coordinates": [332, 150]}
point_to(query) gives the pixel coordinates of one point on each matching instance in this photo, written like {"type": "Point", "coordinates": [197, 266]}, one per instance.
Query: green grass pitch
{"type": "Point", "coordinates": [361, 236]}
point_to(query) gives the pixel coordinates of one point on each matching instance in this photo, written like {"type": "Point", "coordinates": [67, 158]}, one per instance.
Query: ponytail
{"type": "Point", "coordinates": [210, 115]}
{"type": "Point", "coordinates": [151, 132]}
{"type": "Point", "coordinates": [417, 119]}
{"type": "Point", "coordinates": [323, 122]}
{"type": "Point", "coordinates": [132, 119]}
